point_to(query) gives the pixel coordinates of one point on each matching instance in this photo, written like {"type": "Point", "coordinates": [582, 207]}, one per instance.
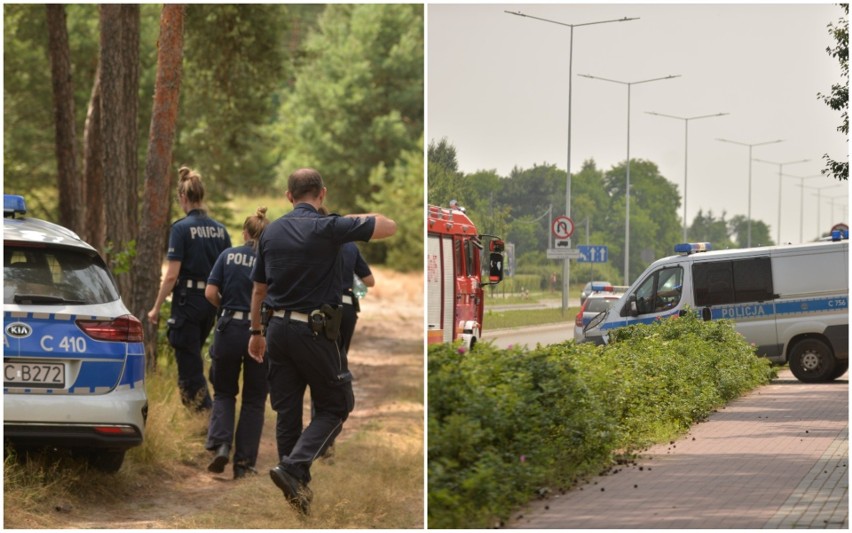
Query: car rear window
{"type": "Point", "coordinates": [596, 305]}
{"type": "Point", "coordinates": [48, 275]}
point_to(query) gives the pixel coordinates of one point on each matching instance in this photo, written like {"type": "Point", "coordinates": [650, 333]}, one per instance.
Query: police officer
{"type": "Point", "coordinates": [229, 288]}
{"type": "Point", "coordinates": [298, 274]}
{"type": "Point", "coordinates": [195, 242]}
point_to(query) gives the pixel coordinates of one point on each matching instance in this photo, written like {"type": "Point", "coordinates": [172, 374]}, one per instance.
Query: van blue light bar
{"type": "Point", "coordinates": [14, 203]}
{"type": "Point", "coordinates": [839, 234]}
{"type": "Point", "coordinates": [692, 247]}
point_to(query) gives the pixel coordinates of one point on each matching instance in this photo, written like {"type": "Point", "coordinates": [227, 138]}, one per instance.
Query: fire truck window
{"type": "Point", "coordinates": [470, 254]}
{"type": "Point", "coordinates": [457, 255]}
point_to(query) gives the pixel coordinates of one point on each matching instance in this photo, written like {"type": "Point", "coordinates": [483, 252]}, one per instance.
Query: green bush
{"type": "Point", "coordinates": [504, 423]}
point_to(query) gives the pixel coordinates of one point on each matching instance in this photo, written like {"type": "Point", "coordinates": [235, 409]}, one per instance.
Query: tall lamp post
{"type": "Point", "coordinates": [750, 146]}
{"type": "Point", "coordinates": [802, 201]}
{"type": "Point", "coordinates": [566, 265]}
{"type": "Point", "coordinates": [780, 174]}
{"type": "Point", "coordinates": [819, 201]}
{"type": "Point", "coordinates": [629, 84]}
{"type": "Point", "coordinates": [685, 151]}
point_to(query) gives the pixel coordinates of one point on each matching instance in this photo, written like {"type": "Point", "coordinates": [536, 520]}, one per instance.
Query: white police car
{"type": "Point", "coordinates": [73, 359]}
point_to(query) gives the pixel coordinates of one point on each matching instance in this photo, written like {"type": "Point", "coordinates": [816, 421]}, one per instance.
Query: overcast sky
{"type": "Point", "coordinates": [498, 91]}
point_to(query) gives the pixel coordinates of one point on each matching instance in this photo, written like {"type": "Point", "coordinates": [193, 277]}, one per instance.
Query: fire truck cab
{"type": "Point", "coordinates": [455, 253]}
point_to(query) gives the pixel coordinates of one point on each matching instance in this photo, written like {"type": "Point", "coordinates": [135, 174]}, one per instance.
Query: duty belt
{"type": "Point", "coordinates": [292, 315]}
{"type": "Point", "coordinates": [237, 315]}
{"type": "Point", "coordinates": [193, 284]}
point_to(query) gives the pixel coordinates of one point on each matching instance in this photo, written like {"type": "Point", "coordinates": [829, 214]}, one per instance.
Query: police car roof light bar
{"type": "Point", "coordinates": [597, 287]}
{"type": "Point", "coordinates": [13, 204]}
{"type": "Point", "coordinates": [692, 247]}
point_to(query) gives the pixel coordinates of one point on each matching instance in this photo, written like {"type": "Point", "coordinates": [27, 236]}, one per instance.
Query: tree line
{"type": "Point", "coordinates": [102, 104]}
{"type": "Point", "coordinates": [516, 207]}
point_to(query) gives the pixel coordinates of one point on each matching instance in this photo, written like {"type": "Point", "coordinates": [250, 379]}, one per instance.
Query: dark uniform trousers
{"type": "Point", "coordinates": [229, 354]}
{"type": "Point", "coordinates": [189, 326]}
{"type": "Point", "coordinates": [298, 359]}
{"type": "Point", "coordinates": [347, 327]}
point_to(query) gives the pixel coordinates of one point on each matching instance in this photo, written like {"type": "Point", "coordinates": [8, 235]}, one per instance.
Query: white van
{"type": "Point", "coordinates": [790, 301]}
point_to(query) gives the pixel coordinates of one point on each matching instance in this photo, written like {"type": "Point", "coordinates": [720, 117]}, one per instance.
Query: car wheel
{"type": "Point", "coordinates": [106, 460]}
{"type": "Point", "coordinates": [812, 361]}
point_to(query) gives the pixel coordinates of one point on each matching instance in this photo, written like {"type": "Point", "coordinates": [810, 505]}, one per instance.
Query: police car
{"type": "Point", "coordinates": [600, 297]}
{"type": "Point", "coordinates": [790, 301]}
{"type": "Point", "coordinates": [73, 359]}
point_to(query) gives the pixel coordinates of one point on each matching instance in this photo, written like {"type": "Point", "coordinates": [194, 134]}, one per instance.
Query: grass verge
{"type": "Point", "coordinates": [528, 317]}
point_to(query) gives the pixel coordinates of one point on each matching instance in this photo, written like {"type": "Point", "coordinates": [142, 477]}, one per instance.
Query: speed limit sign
{"type": "Point", "coordinates": [562, 227]}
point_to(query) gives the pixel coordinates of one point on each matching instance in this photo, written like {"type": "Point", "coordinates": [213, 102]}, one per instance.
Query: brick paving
{"type": "Point", "coordinates": [775, 458]}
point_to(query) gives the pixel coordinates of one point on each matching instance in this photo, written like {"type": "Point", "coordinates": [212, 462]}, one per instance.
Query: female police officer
{"type": "Point", "coordinates": [298, 275]}
{"type": "Point", "coordinates": [229, 288]}
{"type": "Point", "coordinates": [195, 242]}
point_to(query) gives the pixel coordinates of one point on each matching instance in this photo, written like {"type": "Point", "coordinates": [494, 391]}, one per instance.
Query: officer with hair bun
{"type": "Point", "coordinates": [229, 288]}
{"type": "Point", "coordinates": [298, 275]}
{"type": "Point", "coordinates": [195, 242]}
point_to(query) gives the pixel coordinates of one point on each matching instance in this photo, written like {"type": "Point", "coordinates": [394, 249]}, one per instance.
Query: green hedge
{"type": "Point", "coordinates": [505, 423]}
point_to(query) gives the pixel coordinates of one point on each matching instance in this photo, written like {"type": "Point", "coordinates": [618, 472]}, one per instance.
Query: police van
{"type": "Point", "coordinates": [73, 358]}
{"type": "Point", "coordinates": [790, 301]}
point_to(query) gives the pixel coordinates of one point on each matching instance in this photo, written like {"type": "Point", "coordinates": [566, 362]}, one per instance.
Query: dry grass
{"type": "Point", "coordinates": [376, 481]}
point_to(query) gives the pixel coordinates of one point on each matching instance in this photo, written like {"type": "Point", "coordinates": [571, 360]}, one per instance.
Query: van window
{"type": "Point", "coordinates": [727, 282]}
{"type": "Point", "coordinates": [660, 291]}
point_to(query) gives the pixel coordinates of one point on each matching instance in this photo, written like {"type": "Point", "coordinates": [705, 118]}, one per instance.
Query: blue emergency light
{"type": "Point", "coordinates": [839, 234]}
{"type": "Point", "coordinates": [692, 247]}
{"type": "Point", "coordinates": [14, 203]}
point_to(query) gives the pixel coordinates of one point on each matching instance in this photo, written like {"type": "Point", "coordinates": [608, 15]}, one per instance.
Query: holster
{"type": "Point", "coordinates": [334, 317]}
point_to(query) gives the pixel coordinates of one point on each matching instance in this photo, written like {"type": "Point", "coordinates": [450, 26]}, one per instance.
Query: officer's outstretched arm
{"type": "Point", "coordinates": [385, 227]}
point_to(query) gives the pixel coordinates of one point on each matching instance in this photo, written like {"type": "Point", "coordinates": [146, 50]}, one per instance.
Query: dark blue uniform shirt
{"type": "Point", "coordinates": [232, 274]}
{"type": "Point", "coordinates": [299, 257]}
{"type": "Point", "coordinates": [196, 241]}
{"type": "Point", "coordinates": [353, 264]}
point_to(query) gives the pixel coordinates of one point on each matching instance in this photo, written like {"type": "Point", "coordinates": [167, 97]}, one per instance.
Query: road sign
{"type": "Point", "coordinates": [593, 253]}
{"type": "Point", "coordinates": [562, 227]}
{"type": "Point", "coordinates": [563, 253]}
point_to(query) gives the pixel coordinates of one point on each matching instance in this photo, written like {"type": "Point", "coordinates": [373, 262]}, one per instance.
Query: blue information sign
{"type": "Point", "coordinates": [593, 253]}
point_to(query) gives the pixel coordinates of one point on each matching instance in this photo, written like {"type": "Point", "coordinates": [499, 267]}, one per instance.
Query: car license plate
{"type": "Point", "coordinates": [33, 374]}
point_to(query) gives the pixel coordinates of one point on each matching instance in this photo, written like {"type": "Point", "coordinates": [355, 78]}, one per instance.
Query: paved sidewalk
{"type": "Point", "coordinates": [776, 458]}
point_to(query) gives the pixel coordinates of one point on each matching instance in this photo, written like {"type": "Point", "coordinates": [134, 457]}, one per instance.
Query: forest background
{"type": "Point", "coordinates": [244, 94]}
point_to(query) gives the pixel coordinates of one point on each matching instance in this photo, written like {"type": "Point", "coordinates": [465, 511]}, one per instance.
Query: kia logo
{"type": "Point", "coordinates": [19, 330]}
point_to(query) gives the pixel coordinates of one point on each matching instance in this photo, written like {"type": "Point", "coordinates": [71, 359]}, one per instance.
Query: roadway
{"type": "Point", "coordinates": [529, 336]}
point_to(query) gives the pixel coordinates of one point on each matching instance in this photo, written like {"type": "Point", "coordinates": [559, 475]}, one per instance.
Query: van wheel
{"type": "Point", "coordinates": [811, 361]}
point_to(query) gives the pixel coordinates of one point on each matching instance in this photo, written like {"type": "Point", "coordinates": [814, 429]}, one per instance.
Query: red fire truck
{"type": "Point", "coordinates": [454, 275]}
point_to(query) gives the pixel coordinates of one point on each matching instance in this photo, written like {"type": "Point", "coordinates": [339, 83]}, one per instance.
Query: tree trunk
{"type": "Point", "coordinates": [119, 52]}
{"type": "Point", "coordinates": [158, 179]}
{"type": "Point", "coordinates": [71, 206]}
{"type": "Point", "coordinates": [94, 229]}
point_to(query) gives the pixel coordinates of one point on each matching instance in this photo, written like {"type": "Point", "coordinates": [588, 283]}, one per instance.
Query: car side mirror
{"type": "Point", "coordinates": [495, 267]}
{"type": "Point", "coordinates": [706, 314]}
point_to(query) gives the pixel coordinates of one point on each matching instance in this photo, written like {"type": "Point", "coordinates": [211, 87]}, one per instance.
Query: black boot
{"type": "Point", "coordinates": [297, 493]}
{"type": "Point", "coordinates": [219, 461]}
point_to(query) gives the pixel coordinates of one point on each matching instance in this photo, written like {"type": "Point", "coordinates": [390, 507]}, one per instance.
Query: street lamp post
{"type": "Point", "coordinates": [685, 152]}
{"type": "Point", "coordinates": [750, 146]}
{"type": "Point", "coordinates": [629, 84]}
{"type": "Point", "coordinates": [802, 201]}
{"type": "Point", "coordinates": [780, 174]}
{"type": "Point", "coordinates": [566, 262]}
{"type": "Point", "coordinates": [819, 202]}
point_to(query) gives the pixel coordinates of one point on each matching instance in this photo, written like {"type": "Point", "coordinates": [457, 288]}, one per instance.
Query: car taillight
{"type": "Point", "coordinates": [579, 320]}
{"type": "Point", "coordinates": [126, 328]}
